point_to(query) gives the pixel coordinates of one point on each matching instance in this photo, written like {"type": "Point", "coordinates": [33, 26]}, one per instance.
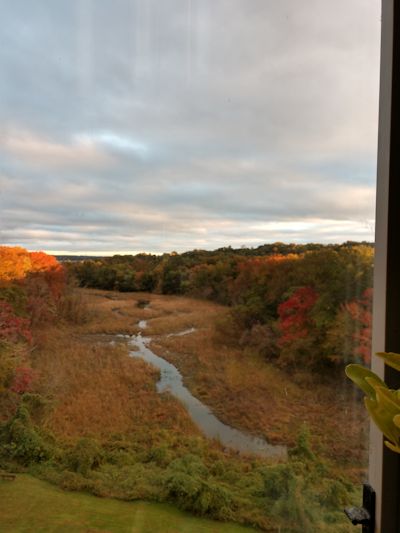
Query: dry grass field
{"type": "Point", "coordinates": [97, 389]}
{"type": "Point", "coordinates": [248, 393]}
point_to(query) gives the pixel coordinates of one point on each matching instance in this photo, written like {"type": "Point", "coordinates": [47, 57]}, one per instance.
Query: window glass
{"type": "Point", "coordinates": [187, 195]}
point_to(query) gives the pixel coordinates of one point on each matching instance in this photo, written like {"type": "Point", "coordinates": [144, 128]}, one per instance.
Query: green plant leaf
{"type": "Point", "coordinates": [392, 447]}
{"type": "Point", "coordinates": [385, 394]}
{"type": "Point", "coordinates": [391, 359]}
{"type": "Point", "coordinates": [382, 422]}
{"type": "Point", "coordinates": [396, 420]}
{"type": "Point", "coordinates": [359, 375]}
{"type": "Point", "coordinates": [383, 410]}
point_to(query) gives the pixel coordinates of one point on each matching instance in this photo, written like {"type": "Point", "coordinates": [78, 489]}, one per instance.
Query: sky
{"type": "Point", "coordinates": [140, 125]}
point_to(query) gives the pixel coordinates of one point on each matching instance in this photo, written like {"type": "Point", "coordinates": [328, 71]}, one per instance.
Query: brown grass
{"type": "Point", "coordinates": [250, 394]}
{"type": "Point", "coordinates": [99, 389]}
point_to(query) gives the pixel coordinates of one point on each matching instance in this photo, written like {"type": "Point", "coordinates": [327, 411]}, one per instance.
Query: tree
{"type": "Point", "coordinates": [15, 263]}
{"type": "Point", "coordinates": [349, 338]}
{"type": "Point", "coordinates": [297, 328]}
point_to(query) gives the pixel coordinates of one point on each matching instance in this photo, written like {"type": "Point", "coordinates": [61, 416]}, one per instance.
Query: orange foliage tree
{"type": "Point", "coordinates": [15, 263]}
{"type": "Point", "coordinates": [50, 269]}
{"type": "Point", "coordinates": [31, 284]}
{"type": "Point", "coordinates": [40, 276]}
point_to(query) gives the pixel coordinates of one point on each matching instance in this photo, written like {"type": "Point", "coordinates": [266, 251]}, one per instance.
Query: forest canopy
{"type": "Point", "coordinates": [302, 305]}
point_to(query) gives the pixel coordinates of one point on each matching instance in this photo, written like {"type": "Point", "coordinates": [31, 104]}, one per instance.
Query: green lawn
{"type": "Point", "coordinates": [30, 505]}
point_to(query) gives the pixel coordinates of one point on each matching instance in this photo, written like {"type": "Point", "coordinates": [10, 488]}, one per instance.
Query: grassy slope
{"type": "Point", "coordinates": [32, 506]}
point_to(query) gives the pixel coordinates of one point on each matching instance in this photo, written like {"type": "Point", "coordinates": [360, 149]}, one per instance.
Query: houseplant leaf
{"type": "Point", "coordinates": [359, 375]}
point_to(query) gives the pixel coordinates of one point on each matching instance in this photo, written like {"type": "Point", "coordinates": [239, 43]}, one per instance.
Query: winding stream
{"type": "Point", "coordinates": [171, 380]}
{"type": "Point", "coordinates": [182, 333]}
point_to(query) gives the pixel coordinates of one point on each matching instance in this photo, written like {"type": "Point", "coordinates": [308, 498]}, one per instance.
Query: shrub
{"type": "Point", "coordinates": [277, 480]}
{"type": "Point", "coordinates": [12, 327]}
{"type": "Point", "coordinates": [335, 494]}
{"type": "Point", "coordinates": [293, 508]}
{"type": "Point", "coordinates": [21, 439]}
{"type": "Point", "coordinates": [205, 498]}
{"type": "Point", "coordinates": [302, 450]}
{"type": "Point", "coordinates": [189, 486]}
{"type": "Point", "coordinates": [86, 455]}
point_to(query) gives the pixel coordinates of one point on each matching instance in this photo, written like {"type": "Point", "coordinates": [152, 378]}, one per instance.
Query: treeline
{"type": "Point", "coordinates": [300, 305]}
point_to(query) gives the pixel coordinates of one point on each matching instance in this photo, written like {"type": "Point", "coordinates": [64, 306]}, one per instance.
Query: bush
{"type": "Point", "coordinates": [85, 456]}
{"type": "Point", "coordinates": [302, 450]}
{"type": "Point", "coordinates": [160, 455]}
{"type": "Point", "coordinates": [277, 480]}
{"type": "Point", "coordinates": [16, 297]}
{"type": "Point", "coordinates": [294, 508]}
{"type": "Point", "coordinates": [205, 498]}
{"type": "Point", "coordinates": [187, 484]}
{"type": "Point", "coordinates": [262, 338]}
{"type": "Point", "coordinates": [22, 441]}
{"type": "Point", "coordinates": [335, 495]}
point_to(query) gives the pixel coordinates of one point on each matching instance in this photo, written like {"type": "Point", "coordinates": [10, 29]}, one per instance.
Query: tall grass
{"type": "Point", "coordinates": [98, 390]}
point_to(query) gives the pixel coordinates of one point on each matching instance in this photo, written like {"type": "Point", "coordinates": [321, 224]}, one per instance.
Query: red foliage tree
{"type": "Point", "coordinates": [360, 312]}
{"type": "Point", "coordinates": [295, 321]}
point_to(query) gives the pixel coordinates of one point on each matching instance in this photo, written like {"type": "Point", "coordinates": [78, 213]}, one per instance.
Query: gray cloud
{"type": "Point", "coordinates": [141, 125]}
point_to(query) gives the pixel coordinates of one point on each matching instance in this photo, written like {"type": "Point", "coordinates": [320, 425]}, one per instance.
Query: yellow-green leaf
{"type": "Point", "coordinates": [392, 447]}
{"type": "Point", "coordinates": [391, 359]}
{"type": "Point", "coordinates": [383, 410]}
{"type": "Point", "coordinates": [396, 420]}
{"type": "Point", "coordinates": [358, 374]}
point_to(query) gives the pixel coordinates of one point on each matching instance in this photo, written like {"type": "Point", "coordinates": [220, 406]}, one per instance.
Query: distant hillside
{"type": "Point", "coordinates": [66, 258]}
{"type": "Point", "coordinates": [264, 249]}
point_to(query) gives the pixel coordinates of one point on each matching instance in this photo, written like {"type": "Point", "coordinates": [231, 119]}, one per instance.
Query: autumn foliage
{"type": "Point", "coordinates": [351, 331]}
{"type": "Point", "coordinates": [31, 288]}
{"type": "Point", "coordinates": [295, 321]}
{"type": "Point", "coordinates": [360, 311]}
{"type": "Point", "coordinates": [49, 269]}
{"type": "Point", "coordinates": [300, 305]}
{"type": "Point", "coordinates": [12, 327]}
{"type": "Point", "coordinates": [15, 263]}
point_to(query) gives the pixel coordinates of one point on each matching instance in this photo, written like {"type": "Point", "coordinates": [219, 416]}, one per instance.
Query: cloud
{"type": "Point", "coordinates": [35, 150]}
{"type": "Point", "coordinates": [191, 123]}
{"type": "Point", "coordinates": [114, 142]}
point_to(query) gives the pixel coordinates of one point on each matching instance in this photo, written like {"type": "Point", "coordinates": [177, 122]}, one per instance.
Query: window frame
{"type": "Point", "coordinates": [384, 465]}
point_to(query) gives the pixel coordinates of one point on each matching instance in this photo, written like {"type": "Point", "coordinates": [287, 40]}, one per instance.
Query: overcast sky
{"type": "Point", "coordinates": [149, 125]}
